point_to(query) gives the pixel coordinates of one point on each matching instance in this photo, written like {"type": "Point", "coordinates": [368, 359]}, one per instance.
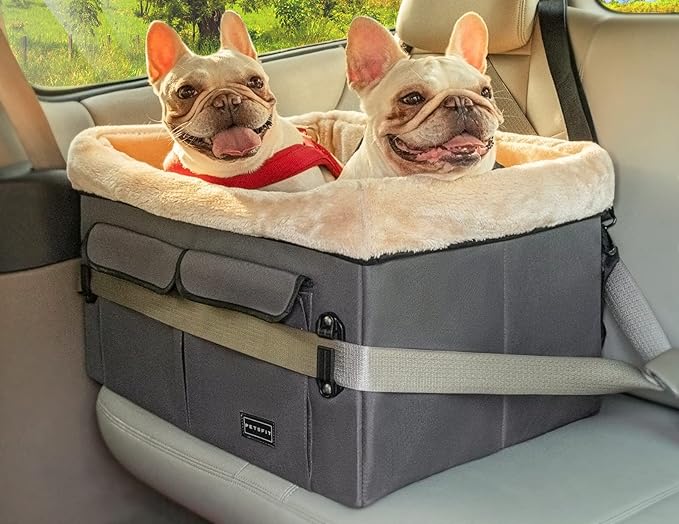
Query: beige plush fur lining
{"type": "Point", "coordinates": [546, 182]}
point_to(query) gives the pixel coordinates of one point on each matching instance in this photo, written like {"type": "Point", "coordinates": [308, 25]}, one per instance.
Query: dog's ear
{"type": "Point", "coordinates": [470, 40]}
{"type": "Point", "coordinates": [234, 35]}
{"type": "Point", "coordinates": [164, 48]}
{"type": "Point", "coordinates": [371, 52]}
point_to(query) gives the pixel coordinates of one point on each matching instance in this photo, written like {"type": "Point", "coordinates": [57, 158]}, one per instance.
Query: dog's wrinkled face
{"type": "Point", "coordinates": [431, 115]}
{"type": "Point", "coordinates": [218, 105]}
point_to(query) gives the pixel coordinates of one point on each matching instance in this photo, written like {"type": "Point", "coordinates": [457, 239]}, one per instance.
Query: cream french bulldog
{"type": "Point", "coordinates": [433, 115]}
{"type": "Point", "coordinates": [219, 108]}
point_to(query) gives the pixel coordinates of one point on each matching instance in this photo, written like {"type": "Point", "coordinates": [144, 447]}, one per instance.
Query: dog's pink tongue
{"type": "Point", "coordinates": [463, 142]}
{"type": "Point", "coordinates": [235, 141]}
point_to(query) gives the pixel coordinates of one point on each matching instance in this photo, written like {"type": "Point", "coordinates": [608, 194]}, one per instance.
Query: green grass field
{"type": "Point", "coordinates": [643, 6]}
{"type": "Point", "coordinates": [39, 31]}
{"type": "Point", "coordinates": [47, 62]}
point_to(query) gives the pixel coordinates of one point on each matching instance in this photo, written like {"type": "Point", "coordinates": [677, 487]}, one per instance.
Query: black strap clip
{"type": "Point", "coordinates": [328, 326]}
{"type": "Point", "coordinates": [610, 255]}
{"type": "Point", "coordinates": [85, 288]}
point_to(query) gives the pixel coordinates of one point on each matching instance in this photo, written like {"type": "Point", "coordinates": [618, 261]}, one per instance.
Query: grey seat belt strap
{"type": "Point", "coordinates": [366, 368]}
{"type": "Point", "coordinates": [396, 370]}
{"type": "Point", "coordinates": [633, 314]}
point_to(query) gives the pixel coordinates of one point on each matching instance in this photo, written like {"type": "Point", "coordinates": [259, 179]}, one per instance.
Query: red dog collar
{"type": "Point", "coordinates": [284, 164]}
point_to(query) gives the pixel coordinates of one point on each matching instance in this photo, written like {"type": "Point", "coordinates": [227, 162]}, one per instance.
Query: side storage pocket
{"type": "Point", "coordinates": [245, 406]}
{"type": "Point", "coordinates": [143, 361]}
{"type": "Point", "coordinates": [133, 355]}
{"type": "Point", "coordinates": [255, 410]}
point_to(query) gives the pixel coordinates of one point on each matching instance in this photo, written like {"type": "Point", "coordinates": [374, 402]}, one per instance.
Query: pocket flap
{"type": "Point", "coordinates": [141, 259]}
{"type": "Point", "coordinates": [265, 292]}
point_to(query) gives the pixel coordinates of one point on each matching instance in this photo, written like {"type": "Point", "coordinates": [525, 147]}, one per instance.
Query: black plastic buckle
{"type": "Point", "coordinates": [610, 255]}
{"type": "Point", "coordinates": [85, 288]}
{"type": "Point", "coordinates": [608, 219]}
{"type": "Point", "coordinates": [328, 326]}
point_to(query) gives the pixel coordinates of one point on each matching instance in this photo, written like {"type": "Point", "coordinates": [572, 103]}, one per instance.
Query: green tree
{"type": "Point", "coordinates": [144, 8]}
{"type": "Point", "coordinates": [84, 14]}
{"type": "Point", "coordinates": [293, 14]}
{"type": "Point", "coordinates": [200, 17]}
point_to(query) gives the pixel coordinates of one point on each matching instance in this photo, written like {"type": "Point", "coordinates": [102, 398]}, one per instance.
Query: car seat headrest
{"type": "Point", "coordinates": [427, 24]}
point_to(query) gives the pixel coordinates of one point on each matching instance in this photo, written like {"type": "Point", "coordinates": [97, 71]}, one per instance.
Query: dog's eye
{"type": "Point", "coordinates": [413, 99]}
{"type": "Point", "coordinates": [186, 91]}
{"type": "Point", "coordinates": [486, 92]}
{"type": "Point", "coordinates": [255, 83]}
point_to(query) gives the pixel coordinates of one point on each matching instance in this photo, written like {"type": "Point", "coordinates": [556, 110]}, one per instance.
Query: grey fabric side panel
{"type": "Point", "coordinates": [337, 444]}
{"type": "Point", "coordinates": [40, 218]}
{"type": "Point", "coordinates": [146, 259]}
{"type": "Point", "coordinates": [369, 368]}
{"type": "Point", "coordinates": [240, 283]}
{"type": "Point", "coordinates": [153, 377]}
{"type": "Point", "coordinates": [552, 299]}
{"type": "Point", "coordinates": [408, 437]}
{"type": "Point", "coordinates": [634, 315]}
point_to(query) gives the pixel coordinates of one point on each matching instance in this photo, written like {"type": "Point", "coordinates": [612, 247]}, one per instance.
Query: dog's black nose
{"type": "Point", "coordinates": [227, 100]}
{"type": "Point", "coordinates": [458, 102]}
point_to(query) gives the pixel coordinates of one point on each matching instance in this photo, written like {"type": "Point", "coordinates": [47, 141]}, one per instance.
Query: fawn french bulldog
{"type": "Point", "coordinates": [433, 115]}
{"type": "Point", "coordinates": [222, 115]}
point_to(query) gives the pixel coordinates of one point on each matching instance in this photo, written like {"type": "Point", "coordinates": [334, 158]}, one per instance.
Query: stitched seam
{"type": "Point", "coordinates": [241, 469]}
{"type": "Point", "coordinates": [288, 492]}
{"type": "Point", "coordinates": [307, 433]}
{"type": "Point", "coordinates": [99, 337]}
{"type": "Point", "coordinates": [184, 375]}
{"type": "Point", "coordinates": [140, 435]}
{"type": "Point", "coordinates": [361, 417]}
{"type": "Point", "coordinates": [248, 485]}
{"type": "Point", "coordinates": [257, 485]}
{"type": "Point", "coordinates": [503, 429]}
{"type": "Point", "coordinates": [519, 22]}
{"type": "Point", "coordinates": [640, 506]}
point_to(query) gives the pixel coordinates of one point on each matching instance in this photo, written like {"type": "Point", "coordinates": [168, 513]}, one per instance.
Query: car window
{"type": "Point", "coordinates": [642, 6]}
{"type": "Point", "coordinates": [66, 43]}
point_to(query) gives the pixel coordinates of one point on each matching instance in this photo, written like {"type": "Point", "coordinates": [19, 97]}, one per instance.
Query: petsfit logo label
{"type": "Point", "coordinates": [258, 429]}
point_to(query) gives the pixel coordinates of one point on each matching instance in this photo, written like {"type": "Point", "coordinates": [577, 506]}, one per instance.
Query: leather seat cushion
{"type": "Point", "coordinates": [619, 466]}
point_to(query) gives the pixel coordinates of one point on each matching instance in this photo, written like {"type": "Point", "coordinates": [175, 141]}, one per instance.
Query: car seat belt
{"type": "Point", "coordinates": [562, 67]}
{"type": "Point", "coordinates": [389, 370]}
{"type": "Point", "coordinates": [25, 113]}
